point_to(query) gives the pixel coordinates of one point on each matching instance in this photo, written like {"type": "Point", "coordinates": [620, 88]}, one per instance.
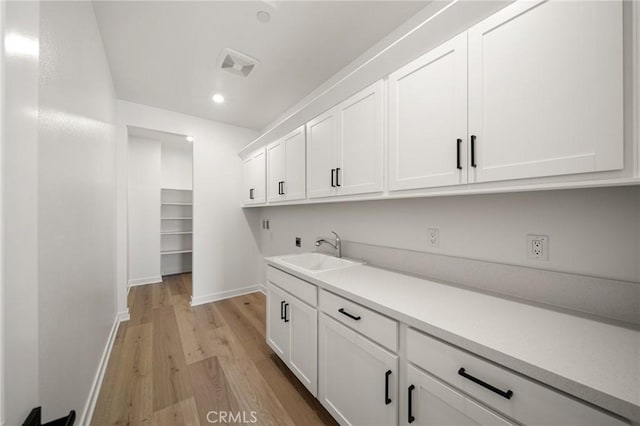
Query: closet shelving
{"type": "Point", "coordinates": [176, 214]}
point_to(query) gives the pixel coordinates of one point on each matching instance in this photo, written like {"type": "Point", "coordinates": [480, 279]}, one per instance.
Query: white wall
{"type": "Point", "coordinates": [225, 254]}
{"type": "Point", "coordinates": [592, 232]}
{"type": "Point", "coordinates": [76, 215]}
{"type": "Point", "coordinates": [177, 166]}
{"type": "Point", "coordinates": [20, 203]}
{"type": "Point", "coordinates": [144, 211]}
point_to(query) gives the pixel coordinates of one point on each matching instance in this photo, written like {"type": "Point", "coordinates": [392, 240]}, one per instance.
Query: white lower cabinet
{"type": "Point", "coordinates": [358, 378]}
{"type": "Point", "coordinates": [430, 402]}
{"type": "Point", "coordinates": [277, 328]}
{"type": "Point", "coordinates": [525, 401]}
{"type": "Point", "coordinates": [292, 328]}
{"type": "Point", "coordinates": [346, 354]}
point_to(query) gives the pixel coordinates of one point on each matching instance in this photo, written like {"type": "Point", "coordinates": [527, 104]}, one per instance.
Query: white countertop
{"type": "Point", "coordinates": [594, 361]}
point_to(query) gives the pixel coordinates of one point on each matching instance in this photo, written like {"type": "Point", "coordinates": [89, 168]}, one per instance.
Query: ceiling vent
{"type": "Point", "coordinates": [237, 63]}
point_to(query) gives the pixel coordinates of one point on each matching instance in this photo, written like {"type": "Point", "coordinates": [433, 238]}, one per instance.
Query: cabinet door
{"type": "Point", "coordinates": [432, 403]}
{"type": "Point", "coordinates": [428, 119]}
{"type": "Point", "coordinates": [322, 138]}
{"type": "Point", "coordinates": [247, 181]}
{"type": "Point", "coordinates": [360, 153]}
{"type": "Point", "coordinates": [259, 177]}
{"type": "Point", "coordinates": [295, 184]}
{"type": "Point", "coordinates": [277, 327]}
{"type": "Point", "coordinates": [303, 348]}
{"type": "Point", "coordinates": [355, 374]}
{"type": "Point", "coordinates": [255, 178]}
{"type": "Point", "coordinates": [545, 90]}
{"type": "Point", "coordinates": [275, 170]}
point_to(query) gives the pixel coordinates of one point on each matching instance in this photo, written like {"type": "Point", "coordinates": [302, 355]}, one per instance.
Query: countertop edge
{"type": "Point", "coordinates": [595, 397]}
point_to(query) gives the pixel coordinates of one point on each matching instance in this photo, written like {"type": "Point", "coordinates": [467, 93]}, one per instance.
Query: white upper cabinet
{"type": "Point", "coordinates": [254, 183]}
{"type": "Point", "coordinates": [428, 119]}
{"type": "Point", "coordinates": [286, 167]}
{"type": "Point", "coordinates": [294, 186]}
{"type": "Point", "coordinates": [344, 147]}
{"type": "Point", "coordinates": [322, 139]}
{"type": "Point", "coordinates": [275, 171]}
{"type": "Point", "coordinates": [360, 143]}
{"type": "Point", "coordinates": [545, 90]}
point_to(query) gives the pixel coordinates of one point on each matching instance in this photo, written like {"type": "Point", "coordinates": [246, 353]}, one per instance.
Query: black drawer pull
{"type": "Point", "coordinates": [508, 394]}
{"type": "Point", "coordinates": [343, 312]}
{"type": "Point", "coordinates": [410, 410]}
{"type": "Point", "coordinates": [282, 310]}
{"type": "Point", "coordinates": [458, 164]}
{"type": "Point", "coordinates": [387, 400]}
{"type": "Point", "coordinates": [286, 319]}
{"type": "Point", "coordinates": [333, 185]}
{"type": "Point", "coordinates": [338, 176]}
{"type": "Point", "coordinates": [473, 151]}
{"type": "Point", "coordinates": [251, 194]}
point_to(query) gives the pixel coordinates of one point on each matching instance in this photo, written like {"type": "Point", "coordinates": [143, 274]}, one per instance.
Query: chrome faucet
{"type": "Point", "coordinates": [337, 245]}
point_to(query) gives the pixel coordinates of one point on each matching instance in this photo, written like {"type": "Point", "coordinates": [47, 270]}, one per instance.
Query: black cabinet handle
{"type": "Point", "coordinates": [333, 185]}
{"type": "Point", "coordinates": [387, 400]}
{"type": "Point", "coordinates": [282, 310]}
{"type": "Point", "coordinates": [279, 189]}
{"type": "Point", "coordinates": [473, 151]}
{"type": "Point", "coordinates": [282, 186]}
{"type": "Point", "coordinates": [343, 312]}
{"type": "Point", "coordinates": [251, 194]}
{"type": "Point", "coordinates": [338, 176]}
{"type": "Point", "coordinates": [410, 410]}
{"type": "Point", "coordinates": [286, 319]}
{"type": "Point", "coordinates": [508, 394]}
{"type": "Point", "coordinates": [458, 144]}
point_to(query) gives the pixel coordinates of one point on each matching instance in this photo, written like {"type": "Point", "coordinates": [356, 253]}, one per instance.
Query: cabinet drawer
{"type": "Point", "coordinates": [303, 290]}
{"type": "Point", "coordinates": [367, 322]}
{"type": "Point", "coordinates": [529, 403]}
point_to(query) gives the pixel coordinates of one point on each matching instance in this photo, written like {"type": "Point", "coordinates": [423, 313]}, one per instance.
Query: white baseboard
{"type": "Point", "coordinates": [262, 289]}
{"type": "Point", "coordinates": [214, 297]}
{"type": "Point", "coordinates": [143, 281]}
{"type": "Point", "coordinates": [123, 316]}
{"type": "Point", "coordinates": [90, 405]}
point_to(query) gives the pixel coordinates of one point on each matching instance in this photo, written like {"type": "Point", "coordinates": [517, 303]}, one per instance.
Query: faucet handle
{"type": "Point", "coordinates": [336, 234]}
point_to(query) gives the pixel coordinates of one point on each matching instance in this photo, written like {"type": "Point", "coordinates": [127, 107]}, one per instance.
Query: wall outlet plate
{"type": "Point", "coordinates": [433, 237]}
{"type": "Point", "coordinates": [537, 247]}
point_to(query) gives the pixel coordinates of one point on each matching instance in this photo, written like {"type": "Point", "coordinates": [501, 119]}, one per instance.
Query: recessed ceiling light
{"type": "Point", "coordinates": [218, 98]}
{"type": "Point", "coordinates": [263, 16]}
{"type": "Point", "coordinates": [189, 138]}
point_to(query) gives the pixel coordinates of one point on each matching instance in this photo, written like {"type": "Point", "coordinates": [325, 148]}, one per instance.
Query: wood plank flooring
{"type": "Point", "coordinates": [172, 365]}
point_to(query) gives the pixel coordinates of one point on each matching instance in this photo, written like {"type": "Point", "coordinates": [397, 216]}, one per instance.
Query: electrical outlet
{"type": "Point", "coordinates": [538, 247]}
{"type": "Point", "coordinates": [433, 237]}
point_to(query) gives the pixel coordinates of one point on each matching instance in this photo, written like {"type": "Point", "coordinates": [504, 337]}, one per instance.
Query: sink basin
{"type": "Point", "coordinates": [317, 262]}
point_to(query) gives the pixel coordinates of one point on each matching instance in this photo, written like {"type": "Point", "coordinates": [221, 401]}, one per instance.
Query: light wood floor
{"type": "Point", "coordinates": [172, 364]}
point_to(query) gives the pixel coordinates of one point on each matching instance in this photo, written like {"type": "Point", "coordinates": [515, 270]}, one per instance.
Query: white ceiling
{"type": "Point", "coordinates": [165, 54]}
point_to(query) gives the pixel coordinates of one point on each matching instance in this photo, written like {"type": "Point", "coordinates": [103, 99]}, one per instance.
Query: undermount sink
{"type": "Point", "coordinates": [317, 262]}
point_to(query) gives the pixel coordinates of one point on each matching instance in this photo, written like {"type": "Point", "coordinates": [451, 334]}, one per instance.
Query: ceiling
{"type": "Point", "coordinates": [166, 54]}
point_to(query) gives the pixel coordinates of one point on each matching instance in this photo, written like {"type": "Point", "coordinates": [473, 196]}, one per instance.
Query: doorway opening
{"type": "Point", "coordinates": [159, 208]}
